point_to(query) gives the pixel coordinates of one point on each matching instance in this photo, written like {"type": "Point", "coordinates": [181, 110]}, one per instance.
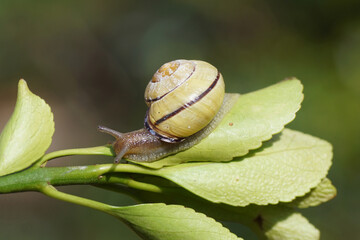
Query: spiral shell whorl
{"type": "Point", "coordinates": [167, 78]}
{"type": "Point", "coordinates": [183, 97]}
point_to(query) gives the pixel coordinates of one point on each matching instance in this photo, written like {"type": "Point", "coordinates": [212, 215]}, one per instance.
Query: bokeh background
{"type": "Point", "coordinates": [91, 60]}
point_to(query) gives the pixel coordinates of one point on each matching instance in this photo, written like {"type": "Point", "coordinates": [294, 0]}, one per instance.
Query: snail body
{"type": "Point", "coordinates": [185, 101]}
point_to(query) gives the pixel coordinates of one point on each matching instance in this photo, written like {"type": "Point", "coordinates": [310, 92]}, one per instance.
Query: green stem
{"type": "Point", "coordinates": [50, 191]}
{"type": "Point", "coordinates": [33, 179]}
{"type": "Point", "coordinates": [99, 150]}
{"type": "Point", "coordinates": [128, 181]}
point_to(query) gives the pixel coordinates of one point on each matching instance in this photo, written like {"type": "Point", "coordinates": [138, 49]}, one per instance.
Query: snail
{"type": "Point", "coordinates": [186, 100]}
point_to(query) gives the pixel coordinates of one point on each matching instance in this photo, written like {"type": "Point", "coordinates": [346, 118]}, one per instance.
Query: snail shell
{"type": "Point", "coordinates": [183, 97]}
{"type": "Point", "coordinates": [186, 100]}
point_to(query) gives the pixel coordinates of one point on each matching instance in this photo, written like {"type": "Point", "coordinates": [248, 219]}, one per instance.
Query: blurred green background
{"type": "Point", "coordinates": [91, 60]}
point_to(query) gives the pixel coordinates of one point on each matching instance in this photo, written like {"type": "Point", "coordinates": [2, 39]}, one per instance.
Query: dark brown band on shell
{"type": "Point", "coordinates": [154, 131]}
{"type": "Point", "coordinates": [152, 127]}
{"type": "Point", "coordinates": [149, 100]}
{"type": "Point", "coordinates": [188, 104]}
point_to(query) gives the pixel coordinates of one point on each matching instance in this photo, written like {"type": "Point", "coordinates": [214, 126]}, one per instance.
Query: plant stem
{"type": "Point", "coordinates": [99, 150]}
{"type": "Point", "coordinates": [33, 179]}
{"type": "Point", "coordinates": [51, 191]}
{"type": "Point", "coordinates": [132, 183]}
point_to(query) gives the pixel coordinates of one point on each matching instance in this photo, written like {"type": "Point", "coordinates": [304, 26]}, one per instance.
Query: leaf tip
{"type": "Point", "coordinates": [22, 83]}
{"type": "Point", "coordinates": [23, 87]}
{"type": "Point", "coordinates": [290, 78]}
{"type": "Point", "coordinates": [293, 79]}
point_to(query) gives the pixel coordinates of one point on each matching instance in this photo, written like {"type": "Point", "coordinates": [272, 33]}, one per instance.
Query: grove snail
{"type": "Point", "coordinates": [186, 100]}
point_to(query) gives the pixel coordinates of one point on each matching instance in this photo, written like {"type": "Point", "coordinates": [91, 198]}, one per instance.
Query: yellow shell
{"type": "Point", "coordinates": [183, 97]}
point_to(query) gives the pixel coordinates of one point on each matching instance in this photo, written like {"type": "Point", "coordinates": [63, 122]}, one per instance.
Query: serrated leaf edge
{"type": "Point", "coordinates": [23, 91]}
{"type": "Point", "coordinates": [282, 126]}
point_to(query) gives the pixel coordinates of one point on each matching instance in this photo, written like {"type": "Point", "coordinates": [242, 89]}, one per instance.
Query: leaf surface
{"type": "Point", "coordinates": [278, 223]}
{"type": "Point", "coordinates": [171, 222]}
{"type": "Point", "coordinates": [323, 192]}
{"type": "Point", "coordinates": [286, 167]}
{"type": "Point", "coordinates": [28, 133]}
{"type": "Point", "coordinates": [254, 118]}
{"type": "Point", "coordinates": [269, 222]}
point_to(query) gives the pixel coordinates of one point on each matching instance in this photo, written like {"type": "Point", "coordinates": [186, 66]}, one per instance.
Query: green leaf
{"type": "Point", "coordinates": [286, 167]}
{"type": "Point", "coordinates": [28, 133]}
{"type": "Point", "coordinates": [323, 192]}
{"type": "Point", "coordinates": [254, 118]}
{"type": "Point", "coordinates": [269, 222]}
{"type": "Point", "coordinates": [280, 223]}
{"type": "Point", "coordinates": [171, 222]}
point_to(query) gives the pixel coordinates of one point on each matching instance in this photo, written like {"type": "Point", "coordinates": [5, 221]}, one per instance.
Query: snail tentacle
{"type": "Point", "coordinates": [121, 154]}
{"type": "Point", "coordinates": [110, 131]}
